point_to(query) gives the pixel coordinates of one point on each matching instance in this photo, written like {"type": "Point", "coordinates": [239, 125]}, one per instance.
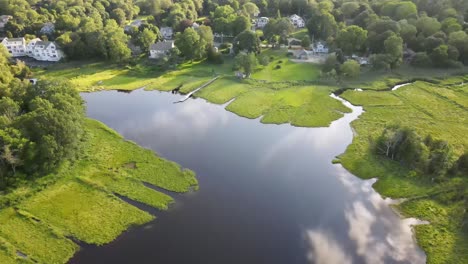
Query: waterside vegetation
{"type": "Point", "coordinates": [42, 220]}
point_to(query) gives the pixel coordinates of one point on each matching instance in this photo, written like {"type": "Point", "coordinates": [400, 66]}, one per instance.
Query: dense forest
{"type": "Point", "coordinates": [421, 32]}
{"type": "Point", "coordinates": [40, 125]}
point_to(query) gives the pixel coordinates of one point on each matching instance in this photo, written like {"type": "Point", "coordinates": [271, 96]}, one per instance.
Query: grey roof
{"type": "Point", "coordinates": [162, 45]}
{"type": "Point", "coordinates": [43, 43]}
{"type": "Point", "coordinates": [14, 39]}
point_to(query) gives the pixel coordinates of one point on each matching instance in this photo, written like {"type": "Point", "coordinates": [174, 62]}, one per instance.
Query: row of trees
{"type": "Point", "coordinates": [427, 156]}
{"type": "Point", "coordinates": [433, 36]}
{"type": "Point", "coordinates": [40, 126]}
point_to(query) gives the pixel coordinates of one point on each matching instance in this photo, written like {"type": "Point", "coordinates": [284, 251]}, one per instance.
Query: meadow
{"type": "Point", "coordinates": [439, 110]}
{"type": "Point", "coordinates": [40, 221]}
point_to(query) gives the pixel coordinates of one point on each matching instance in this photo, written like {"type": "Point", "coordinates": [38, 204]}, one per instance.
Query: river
{"type": "Point", "coordinates": [268, 193]}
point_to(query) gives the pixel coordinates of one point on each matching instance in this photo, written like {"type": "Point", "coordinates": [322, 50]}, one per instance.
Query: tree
{"type": "Point", "coordinates": [394, 49]}
{"type": "Point", "coordinates": [119, 15]}
{"type": "Point", "coordinates": [223, 17]}
{"type": "Point", "coordinates": [190, 44]}
{"type": "Point", "coordinates": [351, 39]}
{"type": "Point", "coordinates": [349, 9]}
{"type": "Point", "coordinates": [350, 69]}
{"type": "Point", "coordinates": [247, 41]}
{"type": "Point", "coordinates": [428, 25]}
{"type": "Point", "coordinates": [450, 25]}
{"type": "Point", "coordinates": [439, 56]}
{"type": "Point", "coordinates": [246, 62]}
{"type": "Point", "coordinates": [305, 42]}
{"type": "Point", "coordinates": [240, 24]}
{"type": "Point", "coordinates": [146, 38]}
{"type": "Point", "coordinates": [250, 9]}
{"type": "Point", "coordinates": [459, 40]}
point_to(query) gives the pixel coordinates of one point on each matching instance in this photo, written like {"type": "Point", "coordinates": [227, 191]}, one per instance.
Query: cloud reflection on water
{"type": "Point", "coordinates": [195, 117]}
{"type": "Point", "coordinates": [367, 215]}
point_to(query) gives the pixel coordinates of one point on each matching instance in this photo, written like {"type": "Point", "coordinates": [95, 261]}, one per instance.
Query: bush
{"type": "Point", "coordinates": [278, 67]}
{"type": "Point", "coordinates": [280, 62]}
{"type": "Point", "coordinates": [289, 54]}
{"type": "Point", "coordinates": [264, 60]}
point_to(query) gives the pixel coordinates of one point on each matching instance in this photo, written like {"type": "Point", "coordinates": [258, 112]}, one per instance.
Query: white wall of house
{"type": "Point", "coordinates": [297, 21]}
{"type": "Point", "coordinates": [16, 47]}
{"type": "Point", "coordinates": [167, 32]}
{"type": "Point", "coordinates": [37, 49]}
{"type": "Point", "coordinates": [48, 52]}
{"type": "Point", "coordinates": [157, 54]}
{"type": "Point", "coordinates": [261, 22]}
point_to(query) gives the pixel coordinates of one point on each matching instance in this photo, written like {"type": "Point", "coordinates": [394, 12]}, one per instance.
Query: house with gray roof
{"type": "Point", "coordinates": [160, 49]}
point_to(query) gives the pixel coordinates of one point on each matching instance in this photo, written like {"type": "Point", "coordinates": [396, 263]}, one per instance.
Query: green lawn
{"type": "Point", "coordinates": [79, 200]}
{"type": "Point", "coordinates": [289, 71]}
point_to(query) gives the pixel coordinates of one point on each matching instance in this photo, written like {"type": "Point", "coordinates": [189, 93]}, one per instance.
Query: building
{"type": "Point", "coordinates": [15, 46]}
{"type": "Point", "coordinates": [30, 46]}
{"type": "Point", "coordinates": [48, 28]}
{"type": "Point", "coordinates": [160, 49]}
{"type": "Point", "coordinates": [261, 22]}
{"type": "Point", "coordinates": [320, 47]}
{"type": "Point", "coordinates": [195, 25]}
{"type": "Point", "coordinates": [167, 32]}
{"type": "Point", "coordinates": [297, 21]}
{"type": "Point", "coordinates": [4, 20]}
{"type": "Point", "coordinates": [303, 54]}
{"type": "Point", "coordinates": [46, 51]}
{"type": "Point", "coordinates": [135, 24]}
{"type": "Point", "coordinates": [36, 48]}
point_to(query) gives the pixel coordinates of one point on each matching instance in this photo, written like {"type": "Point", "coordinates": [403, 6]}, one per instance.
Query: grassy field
{"type": "Point", "coordinates": [439, 110]}
{"type": "Point", "coordinates": [80, 202]}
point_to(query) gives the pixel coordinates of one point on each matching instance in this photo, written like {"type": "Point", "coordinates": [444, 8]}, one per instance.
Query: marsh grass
{"type": "Point", "coordinates": [79, 201]}
{"type": "Point", "coordinates": [431, 109]}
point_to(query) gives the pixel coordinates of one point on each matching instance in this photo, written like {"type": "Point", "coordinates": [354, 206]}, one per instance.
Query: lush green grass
{"type": "Point", "coordinates": [383, 80]}
{"type": "Point", "coordinates": [79, 200]}
{"type": "Point", "coordinates": [431, 109]}
{"type": "Point", "coordinates": [289, 71]}
{"type": "Point", "coordinates": [84, 212]}
{"type": "Point", "coordinates": [309, 106]}
{"type": "Point", "coordinates": [35, 239]}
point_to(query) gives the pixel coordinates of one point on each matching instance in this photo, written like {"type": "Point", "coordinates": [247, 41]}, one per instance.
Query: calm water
{"type": "Point", "coordinates": [268, 193]}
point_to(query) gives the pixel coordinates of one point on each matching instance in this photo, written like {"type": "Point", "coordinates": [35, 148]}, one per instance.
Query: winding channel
{"type": "Point", "coordinates": [268, 193]}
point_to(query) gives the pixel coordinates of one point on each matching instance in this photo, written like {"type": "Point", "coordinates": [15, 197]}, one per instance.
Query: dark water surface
{"type": "Point", "coordinates": [268, 193]}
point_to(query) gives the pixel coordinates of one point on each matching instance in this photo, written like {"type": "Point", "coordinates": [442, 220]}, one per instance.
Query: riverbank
{"type": "Point", "coordinates": [439, 110]}
{"type": "Point", "coordinates": [45, 220]}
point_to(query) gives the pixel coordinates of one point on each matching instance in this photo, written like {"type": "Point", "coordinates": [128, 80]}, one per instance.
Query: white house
{"type": "Point", "coordinates": [37, 49]}
{"type": "Point", "coordinates": [15, 46]}
{"type": "Point", "coordinates": [4, 20]}
{"type": "Point", "coordinates": [297, 21]}
{"type": "Point", "coordinates": [160, 49]}
{"type": "Point", "coordinates": [46, 51]}
{"type": "Point", "coordinates": [261, 22]}
{"type": "Point", "coordinates": [320, 47]}
{"type": "Point", "coordinates": [30, 46]}
{"type": "Point", "coordinates": [195, 25]}
{"type": "Point", "coordinates": [167, 32]}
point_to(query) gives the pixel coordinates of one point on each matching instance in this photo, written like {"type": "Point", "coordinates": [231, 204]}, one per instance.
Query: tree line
{"type": "Point", "coordinates": [41, 125]}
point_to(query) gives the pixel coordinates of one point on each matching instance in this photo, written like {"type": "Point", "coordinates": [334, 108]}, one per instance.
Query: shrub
{"type": "Point", "coordinates": [278, 67]}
